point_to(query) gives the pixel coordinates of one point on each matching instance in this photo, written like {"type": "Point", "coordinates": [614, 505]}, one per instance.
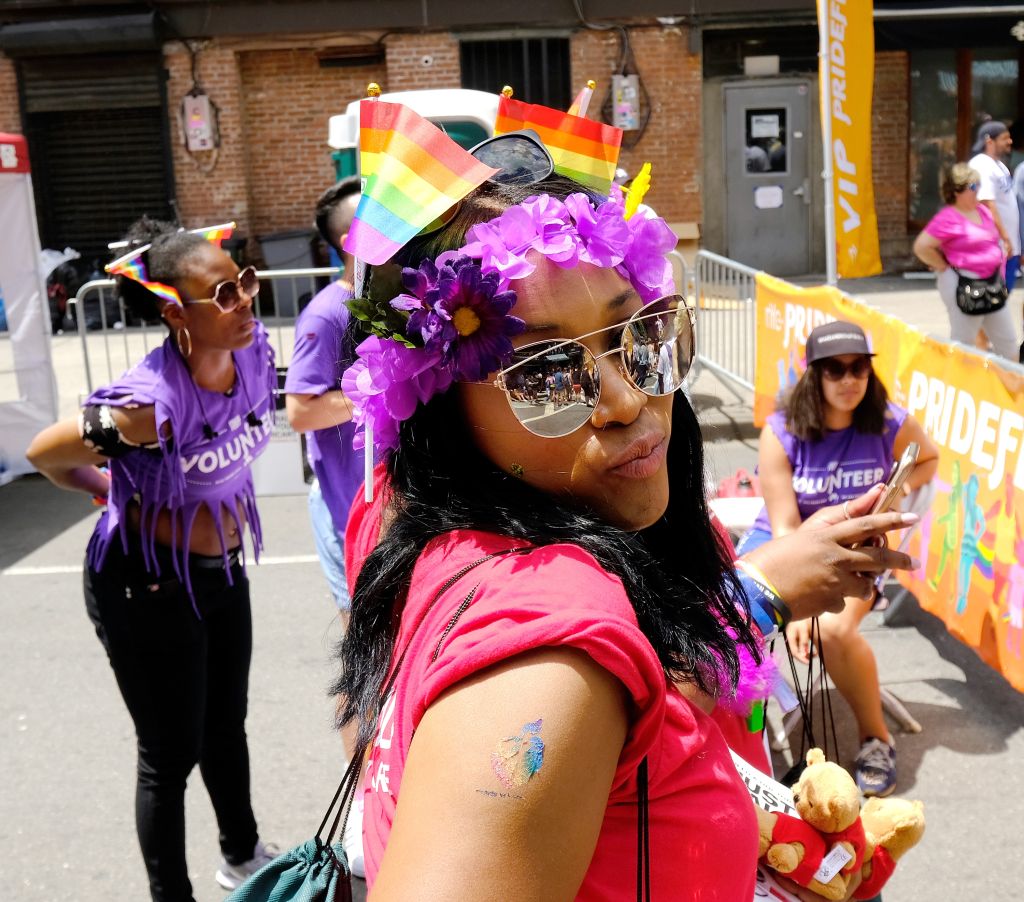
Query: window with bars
{"type": "Point", "coordinates": [537, 68]}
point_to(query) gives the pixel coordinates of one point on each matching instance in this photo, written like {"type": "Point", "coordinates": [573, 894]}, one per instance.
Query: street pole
{"type": "Point", "coordinates": [827, 175]}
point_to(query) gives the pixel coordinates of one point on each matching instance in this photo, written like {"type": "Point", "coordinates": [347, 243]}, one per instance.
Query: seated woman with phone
{"type": "Point", "coordinates": [835, 435]}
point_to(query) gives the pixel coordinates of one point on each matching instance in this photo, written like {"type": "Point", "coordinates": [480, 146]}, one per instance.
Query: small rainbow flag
{"type": "Point", "coordinates": [582, 102]}
{"type": "Point", "coordinates": [216, 234]}
{"type": "Point", "coordinates": [131, 267]}
{"type": "Point", "coordinates": [582, 149]}
{"type": "Point", "coordinates": [412, 171]}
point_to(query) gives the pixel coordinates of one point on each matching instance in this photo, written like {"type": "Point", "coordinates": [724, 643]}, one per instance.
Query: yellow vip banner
{"type": "Point", "coordinates": [971, 541]}
{"type": "Point", "coordinates": [848, 31]}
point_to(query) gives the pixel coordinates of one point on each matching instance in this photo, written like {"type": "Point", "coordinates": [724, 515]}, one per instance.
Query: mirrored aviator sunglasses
{"type": "Point", "coordinates": [520, 157]}
{"type": "Point", "coordinates": [227, 295]}
{"type": "Point", "coordinates": [554, 385]}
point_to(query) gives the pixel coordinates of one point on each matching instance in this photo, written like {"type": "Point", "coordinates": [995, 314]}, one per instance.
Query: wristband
{"type": "Point", "coordinates": [758, 574]}
{"type": "Point", "coordinates": [761, 593]}
{"type": "Point", "coordinates": [762, 614]}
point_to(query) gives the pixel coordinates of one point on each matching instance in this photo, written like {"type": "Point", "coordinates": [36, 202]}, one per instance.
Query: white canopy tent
{"type": "Point", "coordinates": [28, 389]}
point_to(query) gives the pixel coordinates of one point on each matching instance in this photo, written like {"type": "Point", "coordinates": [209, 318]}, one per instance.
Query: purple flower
{"type": "Point", "coordinates": [475, 325]}
{"type": "Point", "coordinates": [604, 233]}
{"type": "Point", "coordinates": [555, 237]}
{"type": "Point", "coordinates": [645, 264]}
{"type": "Point", "coordinates": [385, 384]}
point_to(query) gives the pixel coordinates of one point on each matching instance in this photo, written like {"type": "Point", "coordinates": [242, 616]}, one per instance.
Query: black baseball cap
{"type": "Point", "coordinates": [834, 339]}
{"type": "Point", "coordinates": [991, 129]}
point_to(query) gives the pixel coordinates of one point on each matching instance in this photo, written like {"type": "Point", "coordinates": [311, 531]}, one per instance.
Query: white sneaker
{"type": "Point", "coordinates": [352, 841]}
{"type": "Point", "coordinates": [232, 876]}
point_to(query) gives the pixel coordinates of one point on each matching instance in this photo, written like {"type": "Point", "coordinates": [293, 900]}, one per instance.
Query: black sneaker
{"type": "Point", "coordinates": [875, 770]}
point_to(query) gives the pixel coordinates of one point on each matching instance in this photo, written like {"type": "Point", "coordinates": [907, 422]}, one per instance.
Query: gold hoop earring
{"type": "Point", "coordinates": [184, 331]}
{"type": "Point", "coordinates": [516, 470]}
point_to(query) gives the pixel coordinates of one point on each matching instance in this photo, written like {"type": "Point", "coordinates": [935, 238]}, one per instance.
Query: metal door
{"type": "Point", "coordinates": [768, 192]}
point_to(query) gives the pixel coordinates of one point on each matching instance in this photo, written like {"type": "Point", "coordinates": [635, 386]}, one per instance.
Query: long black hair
{"type": "Point", "coordinates": [804, 405]}
{"type": "Point", "coordinates": [676, 573]}
{"type": "Point", "coordinates": [166, 262]}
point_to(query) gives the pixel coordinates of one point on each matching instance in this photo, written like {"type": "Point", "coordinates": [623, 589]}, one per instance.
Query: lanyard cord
{"type": "Point", "coordinates": [209, 433]}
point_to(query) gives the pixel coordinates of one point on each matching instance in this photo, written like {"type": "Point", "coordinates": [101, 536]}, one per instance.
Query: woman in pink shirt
{"type": "Point", "coordinates": [963, 237]}
{"type": "Point", "coordinates": [538, 594]}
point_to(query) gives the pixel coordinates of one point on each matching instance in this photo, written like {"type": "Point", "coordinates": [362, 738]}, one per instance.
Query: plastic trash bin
{"type": "Point", "coordinates": [289, 250]}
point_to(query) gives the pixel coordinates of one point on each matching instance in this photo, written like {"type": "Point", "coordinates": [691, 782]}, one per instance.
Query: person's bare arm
{"type": "Point", "coordinates": [59, 453]}
{"type": "Point", "coordinates": [776, 475]}
{"type": "Point", "coordinates": [928, 249]}
{"type": "Point", "coordinates": [460, 833]}
{"type": "Point", "coordinates": [309, 412]}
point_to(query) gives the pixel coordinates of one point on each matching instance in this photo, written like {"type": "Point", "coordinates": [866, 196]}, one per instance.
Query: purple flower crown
{"type": "Point", "coordinates": [453, 320]}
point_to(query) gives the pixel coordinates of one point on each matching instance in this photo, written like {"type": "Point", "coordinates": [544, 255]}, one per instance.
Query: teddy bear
{"type": "Point", "coordinates": [827, 798]}
{"type": "Point", "coordinates": [892, 826]}
{"type": "Point", "coordinates": [796, 849]}
{"type": "Point", "coordinates": [828, 802]}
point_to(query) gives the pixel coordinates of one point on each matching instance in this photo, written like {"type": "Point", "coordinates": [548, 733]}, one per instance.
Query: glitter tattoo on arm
{"type": "Point", "coordinates": [516, 760]}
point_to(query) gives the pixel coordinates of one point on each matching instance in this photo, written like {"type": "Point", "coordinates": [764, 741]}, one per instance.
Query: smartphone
{"type": "Point", "coordinates": [901, 472]}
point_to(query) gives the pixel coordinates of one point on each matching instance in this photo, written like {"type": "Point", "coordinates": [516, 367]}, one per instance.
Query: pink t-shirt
{"type": "Point", "coordinates": [702, 825]}
{"type": "Point", "coordinates": [965, 244]}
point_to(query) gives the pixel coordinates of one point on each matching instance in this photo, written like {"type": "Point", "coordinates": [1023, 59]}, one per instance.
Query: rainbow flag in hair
{"type": "Point", "coordinates": [216, 234]}
{"type": "Point", "coordinates": [131, 267]}
{"type": "Point", "coordinates": [582, 102]}
{"type": "Point", "coordinates": [583, 149]}
{"type": "Point", "coordinates": [412, 171]}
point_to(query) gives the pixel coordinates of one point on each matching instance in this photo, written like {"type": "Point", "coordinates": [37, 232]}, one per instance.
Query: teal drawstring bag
{"type": "Point", "coordinates": [311, 872]}
{"type": "Point", "coordinates": [317, 870]}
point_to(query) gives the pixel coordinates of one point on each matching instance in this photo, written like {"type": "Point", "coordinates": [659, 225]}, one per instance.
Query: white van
{"type": "Point", "coordinates": [467, 116]}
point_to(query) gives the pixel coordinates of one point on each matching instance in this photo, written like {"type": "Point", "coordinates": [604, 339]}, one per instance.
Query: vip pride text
{"type": "Point", "coordinates": [846, 183]}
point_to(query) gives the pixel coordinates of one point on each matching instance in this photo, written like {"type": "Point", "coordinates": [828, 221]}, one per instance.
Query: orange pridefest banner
{"type": "Point", "coordinates": [847, 80]}
{"type": "Point", "coordinates": [971, 542]}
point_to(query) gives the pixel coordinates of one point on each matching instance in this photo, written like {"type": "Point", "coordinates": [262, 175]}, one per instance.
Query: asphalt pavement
{"type": "Point", "coordinates": [67, 747]}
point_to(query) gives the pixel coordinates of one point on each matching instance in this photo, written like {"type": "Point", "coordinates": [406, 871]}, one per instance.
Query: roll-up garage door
{"type": "Point", "coordinates": [97, 131]}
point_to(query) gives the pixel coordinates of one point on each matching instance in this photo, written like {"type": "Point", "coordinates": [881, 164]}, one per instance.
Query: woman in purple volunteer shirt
{"type": "Point", "coordinates": [165, 584]}
{"type": "Point", "coordinates": [836, 435]}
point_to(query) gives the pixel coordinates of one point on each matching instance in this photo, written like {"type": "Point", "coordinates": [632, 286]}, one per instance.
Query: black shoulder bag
{"type": "Point", "coordinates": [976, 297]}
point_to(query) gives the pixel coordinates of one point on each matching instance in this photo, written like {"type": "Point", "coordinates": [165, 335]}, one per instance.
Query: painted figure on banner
{"type": "Point", "coordinates": [951, 521]}
{"type": "Point", "coordinates": [972, 552]}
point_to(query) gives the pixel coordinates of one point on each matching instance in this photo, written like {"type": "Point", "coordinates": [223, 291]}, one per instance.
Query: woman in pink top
{"type": "Point", "coordinates": [963, 236]}
{"type": "Point", "coordinates": [573, 669]}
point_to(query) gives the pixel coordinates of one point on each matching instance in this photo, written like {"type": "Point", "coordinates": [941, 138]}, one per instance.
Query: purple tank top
{"type": "Point", "coordinates": [189, 470]}
{"type": "Point", "coordinates": [842, 466]}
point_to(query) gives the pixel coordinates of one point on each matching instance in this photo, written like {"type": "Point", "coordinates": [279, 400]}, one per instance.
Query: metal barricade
{"type": "Point", "coordinates": [111, 343]}
{"type": "Point", "coordinates": [724, 293]}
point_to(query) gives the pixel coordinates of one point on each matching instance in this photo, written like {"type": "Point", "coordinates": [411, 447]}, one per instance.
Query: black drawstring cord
{"type": "Point", "coordinates": [209, 433]}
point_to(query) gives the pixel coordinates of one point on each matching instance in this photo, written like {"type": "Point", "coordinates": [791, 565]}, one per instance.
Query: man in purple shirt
{"type": "Point", "coordinates": [317, 406]}
{"type": "Point", "coordinates": [315, 403]}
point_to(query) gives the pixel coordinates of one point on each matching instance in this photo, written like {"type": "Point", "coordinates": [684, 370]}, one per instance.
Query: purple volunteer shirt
{"type": "Point", "coordinates": [841, 467]}
{"type": "Point", "coordinates": [316, 368]}
{"type": "Point", "coordinates": [188, 470]}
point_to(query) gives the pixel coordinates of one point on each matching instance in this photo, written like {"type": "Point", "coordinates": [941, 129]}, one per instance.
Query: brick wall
{"type": "Point", "coordinates": [287, 101]}
{"type": "Point", "coordinates": [671, 142]}
{"type": "Point", "coordinates": [10, 112]}
{"type": "Point", "coordinates": [890, 142]}
{"type": "Point", "coordinates": [210, 186]}
{"type": "Point", "coordinates": [408, 67]}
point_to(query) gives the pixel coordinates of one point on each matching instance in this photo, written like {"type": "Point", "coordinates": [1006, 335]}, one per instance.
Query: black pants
{"type": "Point", "coordinates": [185, 681]}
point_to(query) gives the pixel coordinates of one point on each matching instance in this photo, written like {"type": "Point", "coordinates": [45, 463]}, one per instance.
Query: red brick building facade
{"type": "Point", "coordinates": [275, 97]}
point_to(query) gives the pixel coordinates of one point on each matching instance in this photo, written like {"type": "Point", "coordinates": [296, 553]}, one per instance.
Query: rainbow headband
{"type": "Point", "coordinates": [453, 322]}
{"type": "Point", "coordinates": [133, 267]}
